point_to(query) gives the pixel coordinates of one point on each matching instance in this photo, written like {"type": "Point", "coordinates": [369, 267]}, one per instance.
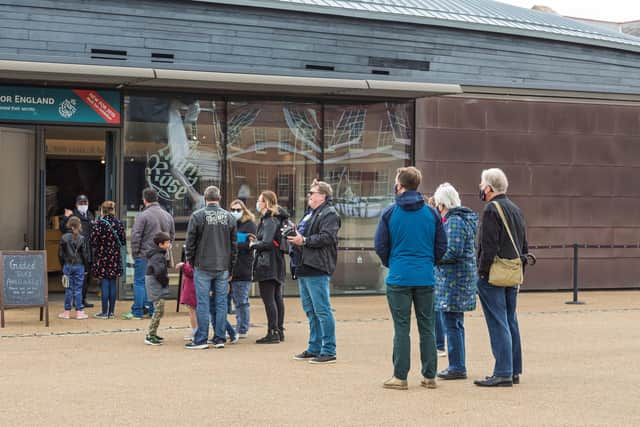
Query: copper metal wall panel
{"type": "Point", "coordinates": [574, 169]}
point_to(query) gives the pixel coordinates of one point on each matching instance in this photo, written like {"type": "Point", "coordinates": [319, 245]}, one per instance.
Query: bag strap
{"type": "Point", "coordinates": [113, 230]}
{"type": "Point", "coordinates": [504, 221]}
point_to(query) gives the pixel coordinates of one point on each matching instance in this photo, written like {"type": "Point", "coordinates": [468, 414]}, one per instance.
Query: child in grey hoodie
{"type": "Point", "coordinates": [157, 284]}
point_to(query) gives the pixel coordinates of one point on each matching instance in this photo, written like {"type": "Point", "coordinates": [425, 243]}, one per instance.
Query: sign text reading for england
{"type": "Point", "coordinates": [59, 105]}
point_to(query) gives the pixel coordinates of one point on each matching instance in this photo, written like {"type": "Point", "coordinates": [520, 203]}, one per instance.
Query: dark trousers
{"type": "Point", "coordinates": [400, 299]}
{"type": "Point", "coordinates": [499, 307]}
{"type": "Point", "coordinates": [440, 332]}
{"type": "Point", "coordinates": [271, 294]}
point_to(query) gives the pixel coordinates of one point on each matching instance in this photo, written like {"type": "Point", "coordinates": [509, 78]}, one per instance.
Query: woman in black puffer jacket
{"type": "Point", "coordinates": [269, 266]}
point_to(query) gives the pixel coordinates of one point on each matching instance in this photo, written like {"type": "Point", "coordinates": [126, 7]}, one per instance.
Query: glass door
{"type": "Point", "coordinates": [18, 187]}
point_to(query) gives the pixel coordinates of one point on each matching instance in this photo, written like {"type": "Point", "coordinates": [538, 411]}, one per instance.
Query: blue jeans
{"type": "Point", "coordinates": [499, 307]}
{"type": "Point", "coordinates": [205, 282]}
{"type": "Point", "coordinates": [214, 314]}
{"type": "Point", "coordinates": [108, 295]}
{"type": "Point", "coordinates": [240, 295]}
{"type": "Point", "coordinates": [75, 273]}
{"type": "Point", "coordinates": [400, 299]}
{"type": "Point", "coordinates": [440, 331]}
{"type": "Point", "coordinates": [314, 295]}
{"type": "Point", "coordinates": [140, 301]}
{"type": "Point", "coordinates": [454, 326]}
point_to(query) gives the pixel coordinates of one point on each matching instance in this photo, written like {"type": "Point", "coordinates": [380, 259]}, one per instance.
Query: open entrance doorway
{"type": "Point", "coordinates": [78, 161]}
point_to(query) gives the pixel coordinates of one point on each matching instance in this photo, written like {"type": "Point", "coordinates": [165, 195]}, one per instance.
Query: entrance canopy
{"type": "Point", "coordinates": [45, 72]}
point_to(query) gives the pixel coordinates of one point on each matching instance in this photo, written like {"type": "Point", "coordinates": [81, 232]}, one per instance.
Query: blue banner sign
{"type": "Point", "coordinates": [34, 104]}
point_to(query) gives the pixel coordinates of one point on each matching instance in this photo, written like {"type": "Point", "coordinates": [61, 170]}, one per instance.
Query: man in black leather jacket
{"type": "Point", "coordinates": [317, 238]}
{"type": "Point", "coordinates": [211, 247]}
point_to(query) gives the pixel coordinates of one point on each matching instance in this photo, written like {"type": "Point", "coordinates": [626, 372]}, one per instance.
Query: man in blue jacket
{"type": "Point", "coordinates": [409, 240]}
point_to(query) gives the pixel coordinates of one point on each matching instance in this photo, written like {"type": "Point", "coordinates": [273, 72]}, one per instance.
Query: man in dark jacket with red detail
{"type": "Point", "coordinates": [499, 302]}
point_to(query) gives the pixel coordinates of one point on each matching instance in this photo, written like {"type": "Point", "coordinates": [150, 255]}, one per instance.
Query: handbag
{"type": "Point", "coordinates": [505, 271]}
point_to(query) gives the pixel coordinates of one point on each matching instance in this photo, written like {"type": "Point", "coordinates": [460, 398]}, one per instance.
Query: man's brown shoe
{"type": "Point", "coordinates": [395, 384]}
{"type": "Point", "coordinates": [429, 383]}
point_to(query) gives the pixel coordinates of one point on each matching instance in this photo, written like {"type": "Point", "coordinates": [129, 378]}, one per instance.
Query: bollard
{"type": "Point", "coordinates": [575, 277]}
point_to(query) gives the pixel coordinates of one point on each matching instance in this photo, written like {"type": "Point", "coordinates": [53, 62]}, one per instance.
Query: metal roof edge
{"type": "Point", "coordinates": [471, 90]}
{"type": "Point", "coordinates": [391, 17]}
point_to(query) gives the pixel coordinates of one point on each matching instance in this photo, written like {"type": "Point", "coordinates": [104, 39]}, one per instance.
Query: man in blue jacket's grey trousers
{"type": "Point", "coordinates": [409, 240]}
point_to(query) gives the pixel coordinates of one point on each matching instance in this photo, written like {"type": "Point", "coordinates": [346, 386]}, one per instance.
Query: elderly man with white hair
{"type": "Point", "coordinates": [502, 237]}
{"type": "Point", "coordinates": [456, 276]}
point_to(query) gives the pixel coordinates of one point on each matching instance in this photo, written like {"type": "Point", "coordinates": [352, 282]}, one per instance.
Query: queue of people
{"type": "Point", "coordinates": [437, 255]}
{"type": "Point", "coordinates": [434, 266]}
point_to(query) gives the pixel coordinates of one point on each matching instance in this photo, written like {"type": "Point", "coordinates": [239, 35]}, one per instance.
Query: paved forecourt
{"type": "Point", "coordinates": [581, 368]}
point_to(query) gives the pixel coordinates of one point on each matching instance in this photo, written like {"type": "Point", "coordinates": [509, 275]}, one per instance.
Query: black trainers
{"type": "Point", "coordinates": [323, 360]}
{"type": "Point", "coordinates": [305, 355]}
{"type": "Point", "coordinates": [193, 346]}
{"type": "Point", "coordinates": [160, 338]}
{"type": "Point", "coordinates": [152, 340]}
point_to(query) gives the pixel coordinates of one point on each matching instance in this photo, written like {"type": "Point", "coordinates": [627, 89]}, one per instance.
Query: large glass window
{"type": "Point", "coordinates": [273, 146]}
{"type": "Point", "coordinates": [172, 144]}
{"type": "Point", "coordinates": [177, 145]}
{"type": "Point", "coordinates": [364, 145]}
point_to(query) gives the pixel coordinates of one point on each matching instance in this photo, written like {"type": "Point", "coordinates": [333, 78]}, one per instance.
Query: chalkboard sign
{"type": "Point", "coordinates": [23, 275]}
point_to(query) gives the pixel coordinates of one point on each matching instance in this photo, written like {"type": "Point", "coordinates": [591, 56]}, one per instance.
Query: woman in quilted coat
{"type": "Point", "coordinates": [107, 243]}
{"type": "Point", "coordinates": [456, 276]}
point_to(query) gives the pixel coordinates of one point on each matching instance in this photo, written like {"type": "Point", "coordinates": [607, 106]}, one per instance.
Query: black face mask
{"type": "Point", "coordinates": [482, 195]}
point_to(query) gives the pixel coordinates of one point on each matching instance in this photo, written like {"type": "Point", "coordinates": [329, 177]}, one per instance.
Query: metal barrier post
{"type": "Point", "coordinates": [575, 277]}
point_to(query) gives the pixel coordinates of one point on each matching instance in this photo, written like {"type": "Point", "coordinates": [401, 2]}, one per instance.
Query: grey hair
{"type": "Point", "coordinates": [447, 196]}
{"type": "Point", "coordinates": [212, 194]}
{"type": "Point", "coordinates": [496, 179]}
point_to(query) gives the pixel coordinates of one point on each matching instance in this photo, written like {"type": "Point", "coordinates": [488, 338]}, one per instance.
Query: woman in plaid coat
{"type": "Point", "coordinates": [456, 276]}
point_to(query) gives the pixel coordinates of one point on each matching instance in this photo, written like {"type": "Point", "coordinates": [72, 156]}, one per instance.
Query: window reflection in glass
{"type": "Point", "coordinates": [364, 145]}
{"type": "Point", "coordinates": [174, 145]}
{"type": "Point", "coordinates": [275, 146]}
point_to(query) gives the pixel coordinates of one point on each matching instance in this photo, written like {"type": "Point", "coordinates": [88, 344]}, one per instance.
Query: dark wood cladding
{"type": "Point", "coordinates": [573, 168]}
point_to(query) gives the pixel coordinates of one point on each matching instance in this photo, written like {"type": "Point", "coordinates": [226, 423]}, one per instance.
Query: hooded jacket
{"type": "Point", "coordinates": [456, 273]}
{"type": "Point", "coordinates": [409, 240]}
{"type": "Point", "coordinates": [157, 275]}
{"type": "Point", "coordinates": [268, 262]}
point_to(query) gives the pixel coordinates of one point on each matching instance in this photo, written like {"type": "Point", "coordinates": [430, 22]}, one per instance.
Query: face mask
{"type": "Point", "coordinates": [258, 207]}
{"type": "Point", "coordinates": [482, 195]}
{"type": "Point", "coordinates": [83, 209]}
{"type": "Point", "coordinates": [237, 215]}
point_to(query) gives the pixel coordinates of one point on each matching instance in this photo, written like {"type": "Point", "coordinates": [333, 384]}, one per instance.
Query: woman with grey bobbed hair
{"type": "Point", "coordinates": [456, 276]}
{"type": "Point", "coordinates": [499, 302]}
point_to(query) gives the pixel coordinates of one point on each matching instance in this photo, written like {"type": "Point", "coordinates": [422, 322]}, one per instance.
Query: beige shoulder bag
{"type": "Point", "coordinates": [506, 272]}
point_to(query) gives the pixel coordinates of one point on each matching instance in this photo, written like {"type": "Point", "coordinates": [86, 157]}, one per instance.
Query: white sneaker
{"type": "Point", "coordinates": [235, 339]}
{"type": "Point", "coordinates": [243, 336]}
{"type": "Point", "coordinates": [442, 353]}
